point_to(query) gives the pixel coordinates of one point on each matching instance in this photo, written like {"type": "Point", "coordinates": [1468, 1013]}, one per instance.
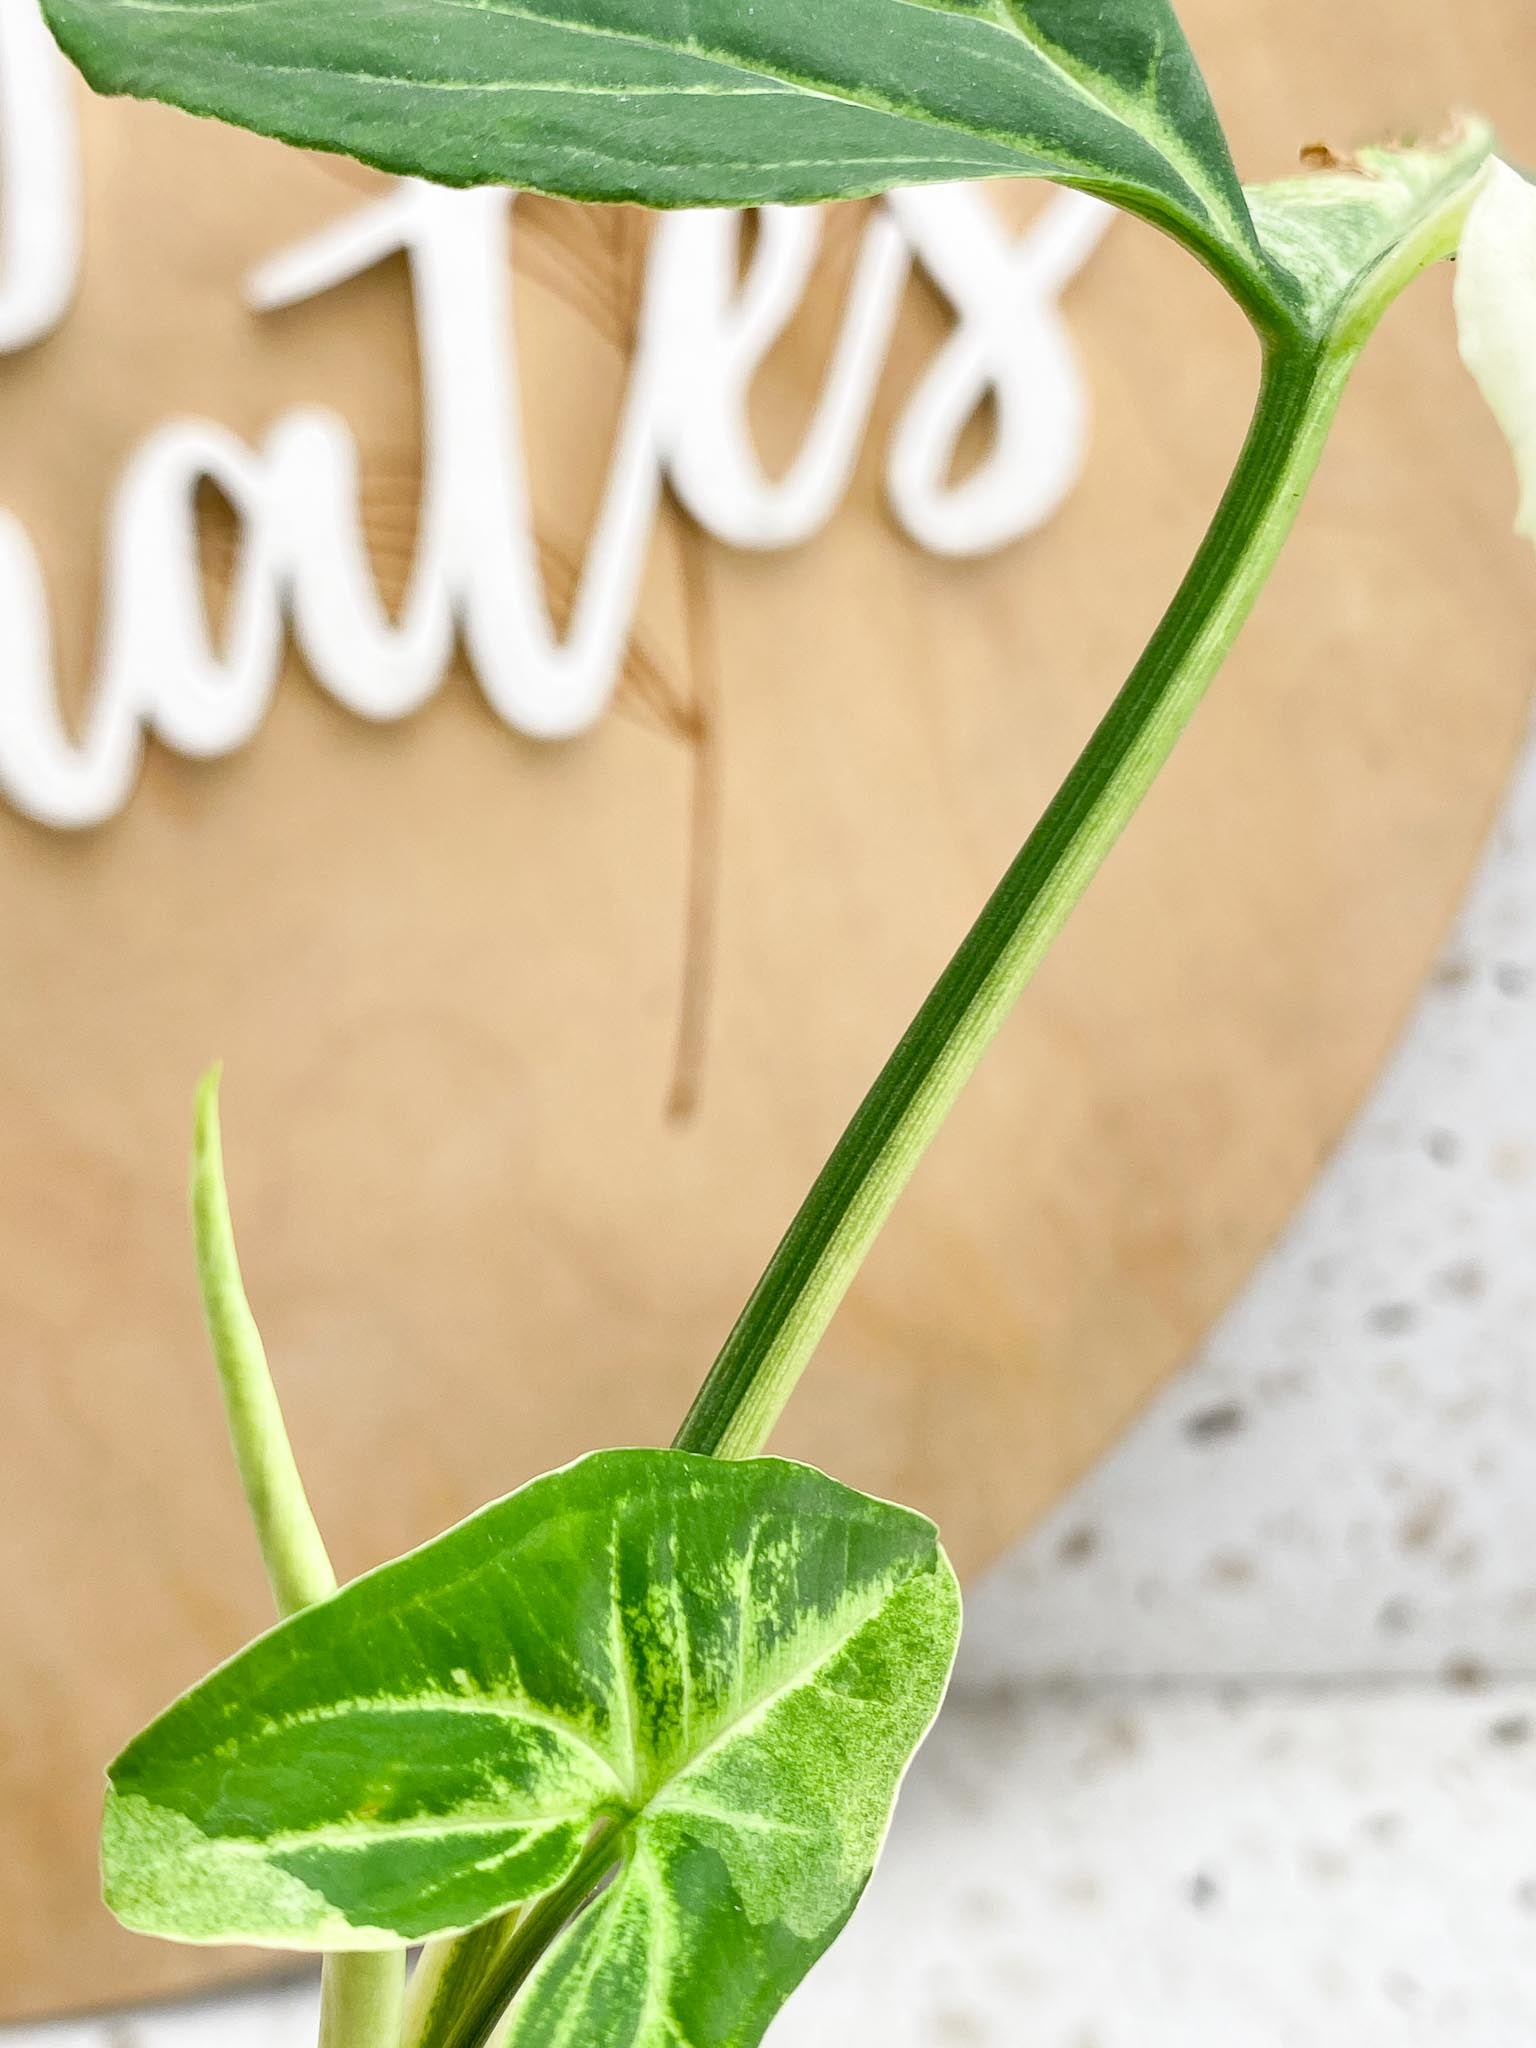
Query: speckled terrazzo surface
{"type": "Point", "coordinates": [1243, 1746]}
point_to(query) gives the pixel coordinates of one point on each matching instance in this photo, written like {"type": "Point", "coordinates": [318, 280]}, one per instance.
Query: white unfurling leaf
{"type": "Point", "coordinates": [1496, 317]}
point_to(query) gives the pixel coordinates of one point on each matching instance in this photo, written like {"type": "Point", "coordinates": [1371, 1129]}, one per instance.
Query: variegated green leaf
{"type": "Point", "coordinates": [719, 1669]}
{"type": "Point", "coordinates": [1353, 234]}
{"type": "Point", "coordinates": [704, 102]}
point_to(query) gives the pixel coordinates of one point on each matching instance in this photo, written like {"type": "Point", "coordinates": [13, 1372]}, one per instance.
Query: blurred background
{"type": "Point", "coordinates": [1206, 1329]}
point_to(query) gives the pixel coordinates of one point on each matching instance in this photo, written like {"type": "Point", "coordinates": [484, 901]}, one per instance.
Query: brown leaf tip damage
{"type": "Point", "coordinates": [1320, 156]}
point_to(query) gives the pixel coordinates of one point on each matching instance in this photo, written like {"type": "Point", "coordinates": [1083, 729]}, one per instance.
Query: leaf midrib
{"type": "Point", "coordinates": [505, 1707]}
{"type": "Point", "coordinates": [628, 1833]}
{"type": "Point", "coordinates": [364, 1833]}
{"type": "Point", "coordinates": [1039, 48]}
{"type": "Point", "coordinates": [783, 79]}
{"type": "Point", "coordinates": [659, 1798]}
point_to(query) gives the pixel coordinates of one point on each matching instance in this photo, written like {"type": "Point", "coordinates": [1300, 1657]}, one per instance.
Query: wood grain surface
{"type": "Point", "coordinates": [531, 1051]}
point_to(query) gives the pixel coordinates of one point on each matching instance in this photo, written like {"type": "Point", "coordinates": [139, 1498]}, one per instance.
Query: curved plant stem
{"type": "Point", "coordinates": [361, 1996]}
{"type": "Point", "coordinates": [810, 1272]}
{"type": "Point", "coordinates": [853, 1195]}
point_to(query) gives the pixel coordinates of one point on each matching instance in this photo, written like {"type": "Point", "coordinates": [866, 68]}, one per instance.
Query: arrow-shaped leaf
{"type": "Point", "coordinates": [706, 102]}
{"type": "Point", "coordinates": [719, 1669]}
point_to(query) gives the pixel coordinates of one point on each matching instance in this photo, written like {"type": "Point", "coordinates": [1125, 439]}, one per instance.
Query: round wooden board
{"type": "Point", "coordinates": [446, 968]}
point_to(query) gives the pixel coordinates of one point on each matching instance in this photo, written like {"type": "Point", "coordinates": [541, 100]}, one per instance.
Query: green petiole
{"type": "Point", "coordinates": [825, 1245]}
{"type": "Point", "coordinates": [1304, 375]}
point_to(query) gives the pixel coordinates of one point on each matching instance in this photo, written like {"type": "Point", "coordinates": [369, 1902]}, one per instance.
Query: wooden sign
{"type": "Point", "coordinates": [553, 865]}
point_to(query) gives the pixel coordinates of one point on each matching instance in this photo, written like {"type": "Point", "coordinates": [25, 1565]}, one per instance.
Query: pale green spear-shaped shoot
{"type": "Point", "coordinates": [362, 1996]}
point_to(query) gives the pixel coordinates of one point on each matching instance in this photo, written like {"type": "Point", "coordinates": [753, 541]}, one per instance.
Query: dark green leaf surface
{"type": "Point", "coordinates": [704, 102]}
{"type": "Point", "coordinates": [728, 1664]}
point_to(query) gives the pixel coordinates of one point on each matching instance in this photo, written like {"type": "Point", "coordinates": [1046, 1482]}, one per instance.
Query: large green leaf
{"type": "Point", "coordinates": [725, 1666]}
{"type": "Point", "coordinates": [705, 102]}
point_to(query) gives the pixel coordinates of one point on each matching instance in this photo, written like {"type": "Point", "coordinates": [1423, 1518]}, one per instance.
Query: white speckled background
{"type": "Point", "coordinates": [1242, 1753]}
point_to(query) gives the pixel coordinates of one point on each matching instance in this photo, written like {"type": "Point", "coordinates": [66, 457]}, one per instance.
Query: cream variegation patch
{"type": "Point", "coordinates": [164, 1872]}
